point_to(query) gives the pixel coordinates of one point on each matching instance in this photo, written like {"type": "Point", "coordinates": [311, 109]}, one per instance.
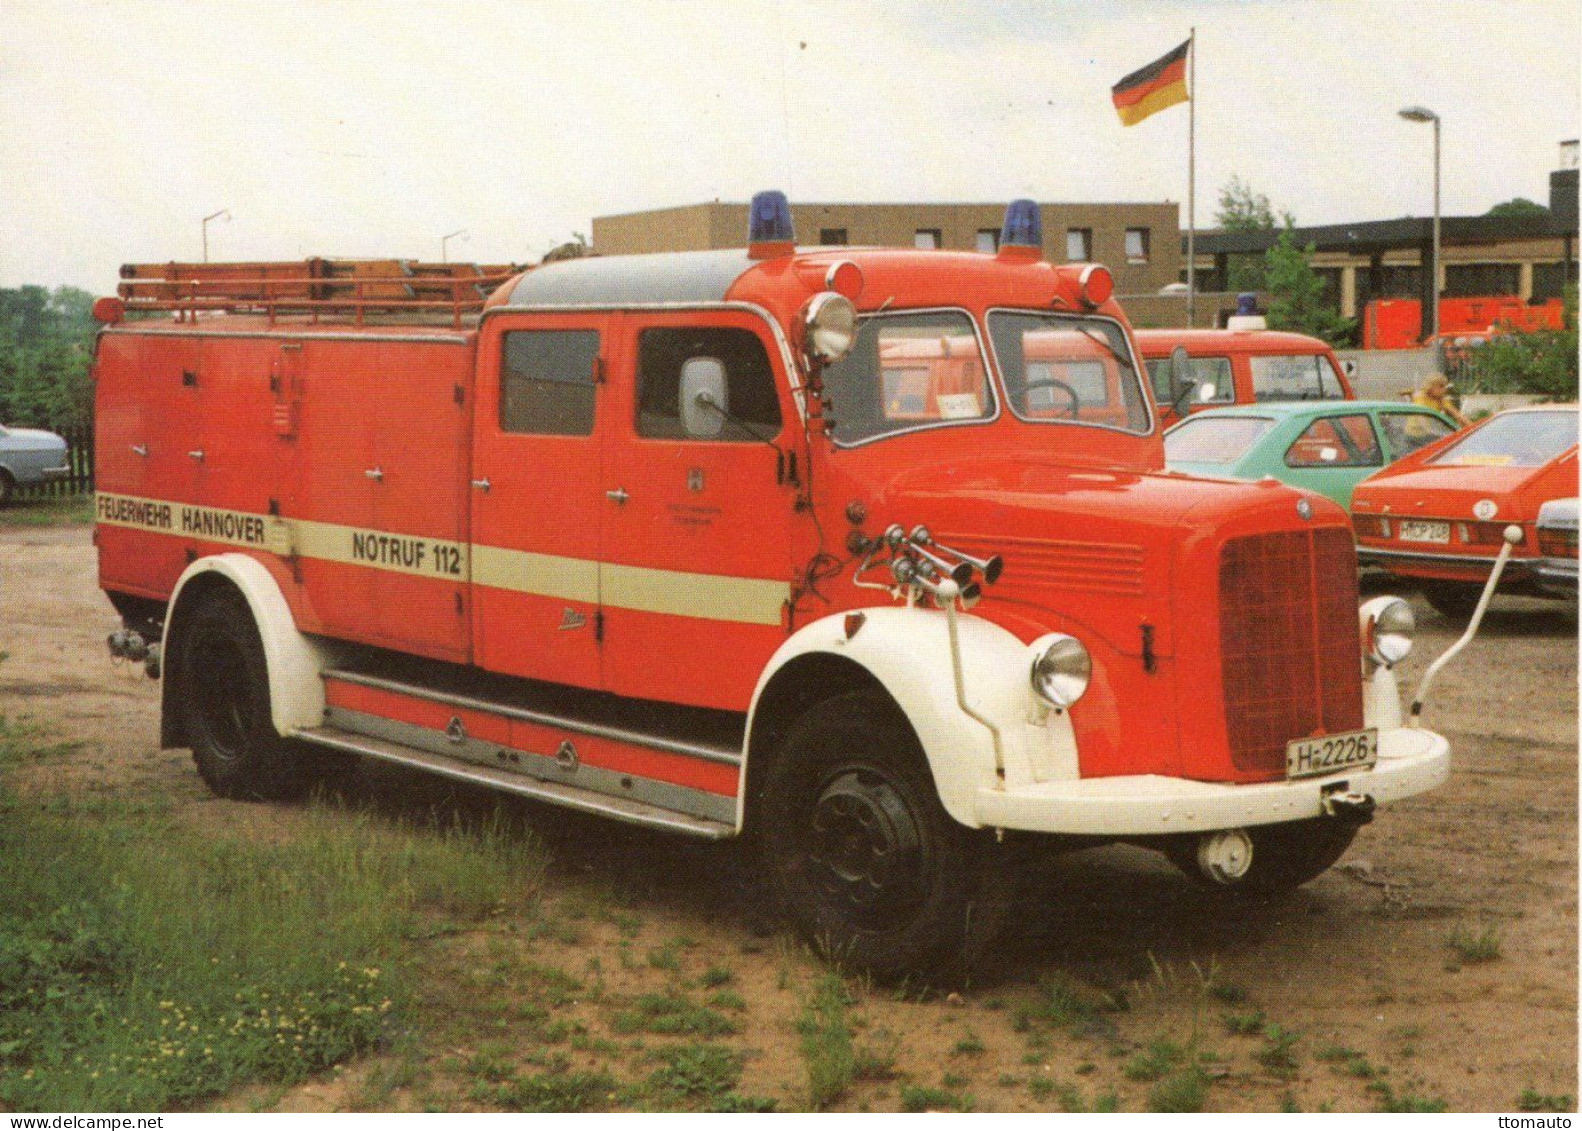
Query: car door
{"type": "Point", "coordinates": [537, 505]}
{"type": "Point", "coordinates": [1333, 454]}
{"type": "Point", "coordinates": [696, 573]}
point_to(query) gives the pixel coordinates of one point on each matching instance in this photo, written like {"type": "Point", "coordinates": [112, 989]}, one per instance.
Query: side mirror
{"type": "Point", "coordinates": [704, 399]}
{"type": "Point", "coordinates": [1206, 392]}
{"type": "Point", "coordinates": [1180, 375]}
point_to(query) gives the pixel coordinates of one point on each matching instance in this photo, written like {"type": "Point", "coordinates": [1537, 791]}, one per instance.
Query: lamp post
{"type": "Point", "coordinates": [1423, 114]}
{"type": "Point", "coordinates": [224, 213]}
{"type": "Point", "coordinates": [443, 240]}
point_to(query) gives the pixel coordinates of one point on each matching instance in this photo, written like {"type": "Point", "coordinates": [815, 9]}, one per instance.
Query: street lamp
{"type": "Point", "coordinates": [443, 240]}
{"type": "Point", "coordinates": [1424, 114]}
{"type": "Point", "coordinates": [222, 214]}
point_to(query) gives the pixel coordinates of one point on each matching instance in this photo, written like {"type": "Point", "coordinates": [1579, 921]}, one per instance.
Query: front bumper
{"type": "Point", "coordinates": [1557, 576]}
{"type": "Point", "coordinates": [1410, 761]}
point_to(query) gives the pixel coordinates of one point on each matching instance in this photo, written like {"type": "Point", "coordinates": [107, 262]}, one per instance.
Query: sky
{"type": "Point", "coordinates": [359, 128]}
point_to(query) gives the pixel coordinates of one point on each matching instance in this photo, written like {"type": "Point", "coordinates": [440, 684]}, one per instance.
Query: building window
{"type": "Point", "coordinates": [1478, 280]}
{"type": "Point", "coordinates": [928, 238]}
{"type": "Point", "coordinates": [1137, 245]}
{"type": "Point", "coordinates": [832, 237]}
{"type": "Point", "coordinates": [988, 239]}
{"type": "Point", "coordinates": [1550, 279]}
{"type": "Point", "coordinates": [1079, 245]}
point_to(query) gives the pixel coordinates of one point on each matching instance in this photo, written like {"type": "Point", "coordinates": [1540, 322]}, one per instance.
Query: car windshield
{"type": "Point", "coordinates": [908, 371]}
{"type": "Point", "coordinates": [1514, 439]}
{"type": "Point", "coordinates": [1065, 369]}
{"type": "Point", "coordinates": [1214, 439]}
{"type": "Point", "coordinates": [1294, 377]}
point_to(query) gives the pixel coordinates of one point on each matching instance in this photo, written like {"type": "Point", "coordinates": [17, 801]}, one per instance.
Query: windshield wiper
{"type": "Point", "coordinates": [1098, 339]}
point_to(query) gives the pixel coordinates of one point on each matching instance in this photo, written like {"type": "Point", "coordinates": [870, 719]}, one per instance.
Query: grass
{"type": "Point", "coordinates": [697, 1077]}
{"type": "Point", "coordinates": [1057, 1004]}
{"type": "Point", "coordinates": [1158, 1058]}
{"type": "Point", "coordinates": [1531, 1099]}
{"type": "Point", "coordinates": [916, 1098]}
{"type": "Point", "coordinates": [1278, 1054]}
{"type": "Point", "coordinates": [1388, 1100]}
{"type": "Point", "coordinates": [72, 510]}
{"type": "Point", "coordinates": [1249, 1024]}
{"type": "Point", "coordinates": [1474, 947]}
{"type": "Point", "coordinates": [145, 966]}
{"type": "Point", "coordinates": [672, 1013]}
{"type": "Point", "coordinates": [825, 1042]}
{"type": "Point", "coordinates": [970, 1044]}
{"type": "Point", "coordinates": [1182, 1090]}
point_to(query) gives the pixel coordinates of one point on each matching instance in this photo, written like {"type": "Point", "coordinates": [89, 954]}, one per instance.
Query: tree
{"type": "Point", "coordinates": [1243, 210]}
{"type": "Point", "coordinates": [574, 248]}
{"type": "Point", "coordinates": [1296, 293]}
{"type": "Point", "coordinates": [1520, 206]}
{"type": "Point", "coordinates": [45, 338]}
{"type": "Point", "coordinates": [1539, 362]}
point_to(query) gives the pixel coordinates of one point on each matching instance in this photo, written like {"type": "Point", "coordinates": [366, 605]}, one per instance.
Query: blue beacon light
{"type": "Point", "coordinates": [1024, 226]}
{"type": "Point", "coordinates": [769, 230]}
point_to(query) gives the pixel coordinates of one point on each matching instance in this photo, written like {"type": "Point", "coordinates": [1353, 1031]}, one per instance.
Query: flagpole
{"type": "Point", "coordinates": [1192, 180]}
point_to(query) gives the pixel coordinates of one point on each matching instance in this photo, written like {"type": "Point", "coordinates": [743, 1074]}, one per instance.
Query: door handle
{"type": "Point", "coordinates": [197, 455]}
{"type": "Point", "coordinates": [375, 474]}
{"type": "Point", "coordinates": [140, 450]}
{"type": "Point", "coordinates": [618, 495]}
{"type": "Point", "coordinates": [481, 484]}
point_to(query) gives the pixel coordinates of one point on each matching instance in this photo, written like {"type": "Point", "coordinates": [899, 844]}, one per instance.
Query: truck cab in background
{"type": "Point", "coordinates": [869, 552]}
{"type": "Point", "coordinates": [1242, 367]}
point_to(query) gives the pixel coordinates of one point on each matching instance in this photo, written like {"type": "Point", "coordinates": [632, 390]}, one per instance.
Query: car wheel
{"type": "Point", "coordinates": [7, 487]}
{"type": "Point", "coordinates": [860, 853]}
{"type": "Point", "coordinates": [1284, 856]}
{"type": "Point", "coordinates": [225, 709]}
{"type": "Point", "coordinates": [1455, 601]}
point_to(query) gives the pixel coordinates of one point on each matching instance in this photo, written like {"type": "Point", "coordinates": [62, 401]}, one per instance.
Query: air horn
{"type": "Point", "coordinates": [990, 567]}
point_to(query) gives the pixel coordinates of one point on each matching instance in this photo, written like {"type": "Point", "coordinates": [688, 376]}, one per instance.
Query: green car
{"type": "Point", "coordinates": [1328, 446]}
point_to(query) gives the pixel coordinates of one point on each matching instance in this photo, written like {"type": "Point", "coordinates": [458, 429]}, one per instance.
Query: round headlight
{"type": "Point", "coordinates": [1387, 630]}
{"type": "Point", "coordinates": [831, 324]}
{"type": "Point", "coordinates": [1061, 669]}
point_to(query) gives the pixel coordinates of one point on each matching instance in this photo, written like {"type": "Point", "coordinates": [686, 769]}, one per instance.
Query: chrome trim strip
{"type": "Point", "coordinates": [983, 357]}
{"type": "Point", "coordinates": [576, 726]}
{"type": "Point", "coordinates": [633, 812]}
{"type": "Point", "coordinates": [295, 336]}
{"type": "Point", "coordinates": [1139, 369]}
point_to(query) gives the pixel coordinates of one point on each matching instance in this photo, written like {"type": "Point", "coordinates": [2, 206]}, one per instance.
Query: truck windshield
{"type": "Point", "coordinates": [906, 371]}
{"type": "Point", "coordinates": [1294, 377]}
{"type": "Point", "coordinates": [1066, 369]}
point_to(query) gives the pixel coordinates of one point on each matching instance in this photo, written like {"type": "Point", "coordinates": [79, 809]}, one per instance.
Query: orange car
{"type": "Point", "coordinates": [1439, 515]}
{"type": "Point", "coordinates": [1240, 367]}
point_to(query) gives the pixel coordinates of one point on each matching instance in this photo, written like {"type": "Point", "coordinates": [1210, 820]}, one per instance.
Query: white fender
{"type": "Point", "coordinates": [908, 652]}
{"type": "Point", "coordinates": [296, 693]}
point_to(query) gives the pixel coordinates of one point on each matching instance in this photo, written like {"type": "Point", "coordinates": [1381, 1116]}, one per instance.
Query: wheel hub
{"type": "Point", "coordinates": [865, 850]}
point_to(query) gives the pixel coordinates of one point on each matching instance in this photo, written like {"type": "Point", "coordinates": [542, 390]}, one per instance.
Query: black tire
{"type": "Point", "coordinates": [1284, 856]}
{"type": "Point", "coordinates": [223, 700]}
{"type": "Point", "coordinates": [7, 487]}
{"type": "Point", "coordinates": [1453, 600]}
{"type": "Point", "coordinates": [861, 855]}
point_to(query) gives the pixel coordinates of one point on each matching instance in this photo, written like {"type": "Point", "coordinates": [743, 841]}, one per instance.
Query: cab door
{"type": "Point", "coordinates": [697, 563]}
{"type": "Point", "coordinates": [536, 501]}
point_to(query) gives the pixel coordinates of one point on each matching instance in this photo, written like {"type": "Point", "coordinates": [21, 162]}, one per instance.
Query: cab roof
{"type": "Point", "coordinates": [1159, 343]}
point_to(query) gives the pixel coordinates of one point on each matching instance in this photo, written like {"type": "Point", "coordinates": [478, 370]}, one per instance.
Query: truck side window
{"type": "Point", "coordinates": [547, 382]}
{"type": "Point", "coordinates": [749, 381]}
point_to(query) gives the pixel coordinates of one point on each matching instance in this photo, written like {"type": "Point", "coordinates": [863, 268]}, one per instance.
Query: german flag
{"type": "Point", "coordinates": [1159, 85]}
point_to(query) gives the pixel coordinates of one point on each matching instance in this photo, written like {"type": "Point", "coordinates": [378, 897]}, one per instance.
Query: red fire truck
{"type": "Point", "coordinates": [867, 552]}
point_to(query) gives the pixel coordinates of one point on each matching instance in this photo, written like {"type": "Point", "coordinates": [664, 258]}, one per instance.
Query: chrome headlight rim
{"type": "Point", "coordinates": [1389, 628]}
{"type": "Point", "coordinates": [1060, 670]}
{"type": "Point", "coordinates": [829, 325]}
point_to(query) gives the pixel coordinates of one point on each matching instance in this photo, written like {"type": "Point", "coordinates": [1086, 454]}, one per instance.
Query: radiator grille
{"type": "Point", "coordinates": [1289, 642]}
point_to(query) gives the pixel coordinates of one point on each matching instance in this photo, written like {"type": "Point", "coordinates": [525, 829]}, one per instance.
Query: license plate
{"type": "Point", "coordinates": [1332, 754]}
{"type": "Point", "coordinates": [1418, 530]}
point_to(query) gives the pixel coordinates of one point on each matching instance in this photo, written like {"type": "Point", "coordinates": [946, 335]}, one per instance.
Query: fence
{"type": "Point", "coordinates": [79, 456]}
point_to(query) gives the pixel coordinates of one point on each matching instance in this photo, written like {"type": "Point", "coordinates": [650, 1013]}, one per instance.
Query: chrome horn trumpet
{"type": "Point", "coordinates": [991, 567]}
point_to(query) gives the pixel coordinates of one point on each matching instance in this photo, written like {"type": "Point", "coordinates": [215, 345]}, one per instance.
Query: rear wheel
{"type": "Point", "coordinates": [864, 859]}
{"type": "Point", "coordinates": [1284, 856]}
{"type": "Point", "coordinates": [225, 709]}
{"type": "Point", "coordinates": [7, 486]}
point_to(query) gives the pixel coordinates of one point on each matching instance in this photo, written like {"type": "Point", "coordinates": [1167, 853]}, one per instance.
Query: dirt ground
{"type": "Point", "coordinates": [1361, 959]}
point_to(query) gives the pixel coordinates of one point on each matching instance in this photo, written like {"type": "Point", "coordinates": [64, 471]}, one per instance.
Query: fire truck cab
{"type": "Point", "coordinates": [868, 552]}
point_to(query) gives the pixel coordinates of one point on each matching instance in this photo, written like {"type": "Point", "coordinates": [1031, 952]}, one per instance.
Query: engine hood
{"type": "Point", "coordinates": [1097, 549]}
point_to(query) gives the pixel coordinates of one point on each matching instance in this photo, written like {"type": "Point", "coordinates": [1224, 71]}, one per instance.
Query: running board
{"type": "Point", "coordinates": [555, 793]}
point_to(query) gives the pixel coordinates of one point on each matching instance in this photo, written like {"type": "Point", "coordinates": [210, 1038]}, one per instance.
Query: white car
{"type": "Point", "coordinates": [29, 456]}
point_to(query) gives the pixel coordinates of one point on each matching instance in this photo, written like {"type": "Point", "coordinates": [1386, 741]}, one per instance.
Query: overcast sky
{"type": "Point", "coordinates": [355, 128]}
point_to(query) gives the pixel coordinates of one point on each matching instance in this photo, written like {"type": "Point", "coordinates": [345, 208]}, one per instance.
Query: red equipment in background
{"type": "Point", "coordinates": [1395, 323]}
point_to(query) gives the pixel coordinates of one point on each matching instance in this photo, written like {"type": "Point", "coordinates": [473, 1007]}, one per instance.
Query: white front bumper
{"type": "Point", "coordinates": [1410, 761]}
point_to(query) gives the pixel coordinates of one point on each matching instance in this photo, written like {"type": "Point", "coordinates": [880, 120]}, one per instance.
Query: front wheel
{"type": "Point", "coordinates": [223, 700]}
{"type": "Point", "coordinates": [1284, 856]}
{"type": "Point", "coordinates": [1453, 600]}
{"type": "Point", "coordinates": [862, 856]}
